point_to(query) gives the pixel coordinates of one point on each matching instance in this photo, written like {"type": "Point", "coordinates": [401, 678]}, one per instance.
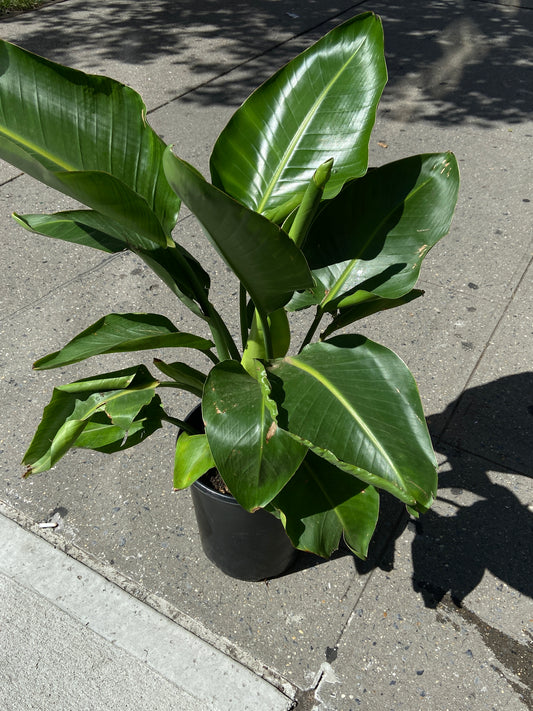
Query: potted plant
{"type": "Point", "coordinates": [308, 432]}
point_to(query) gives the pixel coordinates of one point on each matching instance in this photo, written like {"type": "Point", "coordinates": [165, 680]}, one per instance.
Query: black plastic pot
{"type": "Point", "coordinates": [248, 546]}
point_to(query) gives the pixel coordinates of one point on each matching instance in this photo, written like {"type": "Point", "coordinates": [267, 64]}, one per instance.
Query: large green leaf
{"type": "Point", "coordinates": [319, 106]}
{"type": "Point", "coordinates": [252, 454]}
{"type": "Point", "coordinates": [83, 227]}
{"type": "Point", "coordinates": [266, 261]}
{"type": "Point", "coordinates": [178, 269]}
{"type": "Point", "coordinates": [355, 403]}
{"type": "Point", "coordinates": [86, 136]}
{"type": "Point", "coordinates": [122, 333]}
{"type": "Point", "coordinates": [121, 395]}
{"type": "Point", "coordinates": [321, 502]}
{"type": "Point", "coordinates": [366, 307]}
{"type": "Point", "coordinates": [193, 459]}
{"type": "Point", "coordinates": [376, 232]}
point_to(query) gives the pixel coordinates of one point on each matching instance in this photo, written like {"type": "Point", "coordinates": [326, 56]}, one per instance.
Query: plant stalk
{"type": "Point", "coordinates": [185, 426]}
{"type": "Point", "coordinates": [225, 345]}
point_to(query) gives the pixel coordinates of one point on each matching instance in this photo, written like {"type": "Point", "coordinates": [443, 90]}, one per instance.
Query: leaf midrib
{"type": "Point", "coordinates": [332, 293]}
{"type": "Point", "coordinates": [347, 405]}
{"type": "Point", "coordinates": [297, 136]}
{"type": "Point", "coordinates": [29, 146]}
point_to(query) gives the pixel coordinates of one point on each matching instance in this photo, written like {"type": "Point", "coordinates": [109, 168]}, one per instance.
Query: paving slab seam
{"type": "Point", "coordinates": [472, 453]}
{"type": "Point", "coordinates": [32, 304]}
{"type": "Point", "coordinates": [11, 179]}
{"type": "Point", "coordinates": [423, 282]}
{"type": "Point", "coordinates": [482, 354]}
{"type": "Point", "coordinates": [307, 697]}
{"type": "Point", "coordinates": [163, 607]}
{"type": "Point", "coordinates": [272, 48]}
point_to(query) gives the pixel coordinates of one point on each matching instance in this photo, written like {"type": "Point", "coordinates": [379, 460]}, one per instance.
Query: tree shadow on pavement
{"type": "Point", "coordinates": [449, 60]}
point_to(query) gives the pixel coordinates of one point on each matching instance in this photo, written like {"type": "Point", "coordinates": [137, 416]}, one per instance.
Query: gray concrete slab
{"type": "Point", "coordinates": [165, 49]}
{"type": "Point", "coordinates": [460, 80]}
{"type": "Point", "coordinates": [33, 267]}
{"type": "Point", "coordinates": [493, 418]}
{"type": "Point", "coordinates": [71, 639]}
{"type": "Point", "coordinates": [450, 626]}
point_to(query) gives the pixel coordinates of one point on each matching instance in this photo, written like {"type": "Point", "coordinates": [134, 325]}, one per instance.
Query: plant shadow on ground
{"type": "Point", "coordinates": [485, 433]}
{"type": "Point", "coordinates": [450, 62]}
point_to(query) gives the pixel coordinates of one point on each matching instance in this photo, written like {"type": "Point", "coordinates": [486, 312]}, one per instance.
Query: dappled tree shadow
{"type": "Point", "coordinates": [449, 60]}
{"type": "Point", "coordinates": [454, 61]}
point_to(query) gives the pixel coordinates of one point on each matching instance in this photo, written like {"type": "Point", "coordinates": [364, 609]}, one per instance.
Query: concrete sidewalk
{"type": "Point", "coordinates": [73, 640]}
{"type": "Point", "coordinates": [441, 616]}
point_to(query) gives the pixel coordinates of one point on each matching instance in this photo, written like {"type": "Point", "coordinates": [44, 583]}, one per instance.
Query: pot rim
{"type": "Point", "coordinates": [228, 498]}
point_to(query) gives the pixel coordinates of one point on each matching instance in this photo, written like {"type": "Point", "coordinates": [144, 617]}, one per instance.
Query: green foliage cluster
{"type": "Point", "coordinates": [9, 6]}
{"type": "Point", "coordinates": [309, 431]}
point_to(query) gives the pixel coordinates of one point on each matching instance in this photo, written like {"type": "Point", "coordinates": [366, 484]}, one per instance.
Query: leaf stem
{"type": "Point", "coordinates": [243, 315]}
{"type": "Point", "coordinates": [185, 426]}
{"type": "Point", "coordinates": [225, 345]}
{"type": "Point", "coordinates": [311, 332]}
{"type": "Point", "coordinates": [267, 336]}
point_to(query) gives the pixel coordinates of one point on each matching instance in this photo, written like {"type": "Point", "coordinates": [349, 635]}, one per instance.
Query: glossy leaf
{"type": "Point", "coordinates": [376, 232]}
{"type": "Point", "coordinates": [355, 403]}
{"type": "Point", "coordinates": [122, 333]}
{"type": "Point", "coordinates": [182, 273]}
{"type": "Point", "coordinates": [266, 261]}
{"type": "Point", "coordinates": [193, 459]}
{"type": "Point", "coordinates": [321, 502]}
{"type": "Point", "coordinates": [72, 407]}
{"type": "Point", "coordinates": [86, 136]}
{"type": "Point", "coordinates": [252, 454]}
{"type": "Point", "coordinates": [319, 106]}
{"type": "Point", "coordinates": [364, 307]}
{"type": "Point", "coordinates": [178, 269]}
{"type": "Point", "coordinates": [84, 227]}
